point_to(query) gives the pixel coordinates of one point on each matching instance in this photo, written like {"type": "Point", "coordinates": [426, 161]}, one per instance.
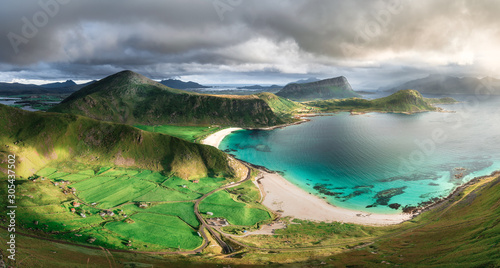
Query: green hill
{"type": "Point", "coordinates": [403, 101]}
{"type": "Point", "coordinates": [279, 105]}
{"type": "Point", "coordinates": [39, 139]}
{"type": "Point", "coordinates": [461, 232]}
{"type": "Point", "coordinates": [333, 88]}
{"type": "Point", "coordinates": [128, 97]}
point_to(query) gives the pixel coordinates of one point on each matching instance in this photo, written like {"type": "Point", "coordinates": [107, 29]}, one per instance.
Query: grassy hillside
{"type": "Point", "coordinates": [41, 138]}
{"type": "Point", "coordinates": [279, 105]}
{"type": "Point", "coordinates": [131, 98]}
{"type": "Point", "coordinates": [403, 101]}
{"type": "Point", "coordinates": [464, 232]}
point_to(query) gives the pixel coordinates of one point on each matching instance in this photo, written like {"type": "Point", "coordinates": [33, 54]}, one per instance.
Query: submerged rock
{"type": "Point", "coordinates": [394, 205]}
{"type": "Point", "coordinates": [383, 197]}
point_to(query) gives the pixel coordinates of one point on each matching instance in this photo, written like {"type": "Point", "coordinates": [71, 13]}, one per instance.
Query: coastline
{"type": "Point", "coordinates": [216, 138]}
{"type": "Point", "coordinates": [286, 199]}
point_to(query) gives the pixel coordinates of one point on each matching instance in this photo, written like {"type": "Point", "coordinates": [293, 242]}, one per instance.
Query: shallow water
{"type": "Point", "coordinates": [368, 162]}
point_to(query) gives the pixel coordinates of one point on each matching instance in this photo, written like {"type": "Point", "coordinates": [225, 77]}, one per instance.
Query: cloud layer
{"type": "Point", "coordinates": [242, 40]}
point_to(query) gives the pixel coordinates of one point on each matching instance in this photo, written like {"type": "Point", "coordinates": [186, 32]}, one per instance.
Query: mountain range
{"type": "Point", "coordinates": [178, 84]}
{"type": "Point", "coordinates": [446, 85]}
{"type": "Point", "coordinates": [9, 89]}
{"type": "Point", "coordinates": [128, 97]}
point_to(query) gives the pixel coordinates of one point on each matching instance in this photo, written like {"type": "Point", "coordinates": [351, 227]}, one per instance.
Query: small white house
{"type": "Point", "coordinates": [210, 213]}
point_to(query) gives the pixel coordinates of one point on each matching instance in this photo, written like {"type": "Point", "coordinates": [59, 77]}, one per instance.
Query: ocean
{"type": "Point", "coordinates": [378, 162]}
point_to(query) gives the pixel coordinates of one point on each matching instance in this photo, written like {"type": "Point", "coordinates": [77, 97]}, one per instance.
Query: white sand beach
{"type": "Point", "coordinates": [283, 195]}
{"type": "Point", "coordinates": [216, 138]}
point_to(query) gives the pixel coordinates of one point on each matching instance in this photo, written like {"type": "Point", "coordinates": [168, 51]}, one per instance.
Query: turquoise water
{"type": "Point", "coordinates": [380, 162]}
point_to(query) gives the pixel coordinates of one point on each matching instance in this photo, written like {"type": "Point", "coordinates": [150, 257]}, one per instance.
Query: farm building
{"type": "Point", "coordinates": [217, 222]}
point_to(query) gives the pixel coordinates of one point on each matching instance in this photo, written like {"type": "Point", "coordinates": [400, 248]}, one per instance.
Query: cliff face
{"type": "Point", "coordinates": [333, 88]}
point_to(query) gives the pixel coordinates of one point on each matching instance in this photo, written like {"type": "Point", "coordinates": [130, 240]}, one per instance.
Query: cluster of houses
{"type": "Point", "coordinates": [107, 213]}
{"type": "Point", "coordinates": [104, 213]}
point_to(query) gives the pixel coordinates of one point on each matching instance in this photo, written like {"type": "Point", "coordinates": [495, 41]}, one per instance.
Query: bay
{"type": "Point", "coordinates": [368, 162]}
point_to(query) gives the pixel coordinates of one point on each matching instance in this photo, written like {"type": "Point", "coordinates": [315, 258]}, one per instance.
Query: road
{"type": "Point", "coordinates": [225, 247]}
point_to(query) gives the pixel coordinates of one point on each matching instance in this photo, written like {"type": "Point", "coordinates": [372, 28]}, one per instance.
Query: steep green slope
{"type": "Point", "coordinates": [403, 101]}
{"type": "Point", "coordinates": [333, 88]}
{"type": "Point", "coordinates": [41, 138]}
{"type": "Point", "coordinates": [279, 105]}
{"type": "Point", "coordinates": [128, 97]}
{"type": "Point", "coordinates": [463, 232]}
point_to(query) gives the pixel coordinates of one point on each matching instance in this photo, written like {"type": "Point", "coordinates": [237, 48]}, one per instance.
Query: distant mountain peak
{"type": "Point", "coordinates": [67, 83]}
{"type": "Point", "coordinates": [446, 84]}
{"type": "Point", "coordinates": [179, 84]}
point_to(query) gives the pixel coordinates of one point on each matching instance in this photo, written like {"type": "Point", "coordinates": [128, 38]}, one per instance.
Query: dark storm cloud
{"type": "Point", "coordinates": [191, 37]}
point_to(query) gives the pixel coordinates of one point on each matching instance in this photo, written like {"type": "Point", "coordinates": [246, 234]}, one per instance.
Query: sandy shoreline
{"type": "Point", "coordinates": [282, 195]}
{"type": "Point", "coordinates": [216, 138]}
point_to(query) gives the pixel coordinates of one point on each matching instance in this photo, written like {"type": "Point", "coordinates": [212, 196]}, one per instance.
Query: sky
{"type": "Point", "coordinates": [372, 43]}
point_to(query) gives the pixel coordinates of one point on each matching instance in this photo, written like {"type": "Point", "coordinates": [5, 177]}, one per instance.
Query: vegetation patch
{"type": "Point", "coordinates": [75, 177]}
{"type": "Point", "coordinates": [46, 172]}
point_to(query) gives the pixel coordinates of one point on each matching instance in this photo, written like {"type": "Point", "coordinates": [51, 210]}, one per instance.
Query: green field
{"type": "Point", "coordinates": [204, 185]}
{"type": "Point", "coordinates": [109, 191]}
{"type": "Point", "coordinates": [183, 210]}
{"type": "Point", "coordinates": [222, 205]}
{"type": "Point", "coordinates": [189, 133]}
{"type": "Point", "coordinates": [46, 206]}
{"type": "Point", "coordinates": [46, 172]}
{"type": "Point", "coordinates": [162, 194]}
{"type": "Point", "coordinates": [169, 231]}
